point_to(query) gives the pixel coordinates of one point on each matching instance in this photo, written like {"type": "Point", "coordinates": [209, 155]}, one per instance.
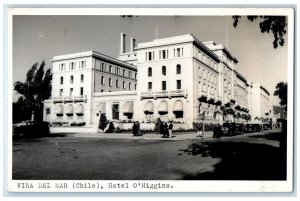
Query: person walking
{"type": "Point", "coordinates": [166, 131]}
{"type": "Point", "coordinates": [170, 129]}
{"type": "Point", "coordinates": [134, 129]}
{"type": "Point", "coordinates": [161, 128]}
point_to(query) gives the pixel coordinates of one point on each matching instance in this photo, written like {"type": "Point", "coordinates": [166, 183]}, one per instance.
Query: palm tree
{"type": "Point", "coordinates": [35, 89]}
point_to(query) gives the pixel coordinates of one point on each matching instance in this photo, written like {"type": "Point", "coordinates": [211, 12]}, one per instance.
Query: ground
{"type": "Point", "coordinates": [257, 156]}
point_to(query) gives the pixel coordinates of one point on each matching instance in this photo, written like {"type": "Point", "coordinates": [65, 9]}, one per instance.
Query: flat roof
{"type": "Point", "coordinates": [93, 54]}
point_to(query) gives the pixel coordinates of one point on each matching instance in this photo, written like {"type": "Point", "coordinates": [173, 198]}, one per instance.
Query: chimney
{"type": "Point", "coordinates": [132, 44]}
{"type": "Point", "coordinates": [122, 49]}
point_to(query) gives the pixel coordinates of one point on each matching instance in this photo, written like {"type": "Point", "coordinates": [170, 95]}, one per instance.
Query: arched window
{"type": "Point", "coordinates": [149, 72]}
{"type": "Point", "coordinates": [117, 83]}
{"type": "Point", "coordinates": [109, 82]}
{"type": "Point", "coordinates": [81, 78]}
{"type": "Point", "coordinates": [163, 70]}
{"type": "Point", "coordinates": [71, 79]}
{"type": "Point", "coordinates": [102, 80]}
{"type": "Point", "coordinates": [178, 69]}
{"type": "Point", "coordinates": [61, 80]}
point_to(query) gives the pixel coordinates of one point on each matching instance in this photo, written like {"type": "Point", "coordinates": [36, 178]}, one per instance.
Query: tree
{"type": "Point", "coordinates": [102, 122]}
{"type": "Point", "coordinates": [34, 90]}
{"type": "Point", "coordinates": [281, 92]}
{"type": "Point", "coordinates": [276, 24]}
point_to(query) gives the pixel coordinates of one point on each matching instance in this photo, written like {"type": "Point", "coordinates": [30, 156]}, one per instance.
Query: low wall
{"type": "Point", "coordinates": [61, 129]}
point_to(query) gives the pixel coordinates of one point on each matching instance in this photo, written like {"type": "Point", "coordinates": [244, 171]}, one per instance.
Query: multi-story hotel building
{"type": "Point", "coordinates": [176, 78]}
{"type": "Point", "coordinates": [78, 77]}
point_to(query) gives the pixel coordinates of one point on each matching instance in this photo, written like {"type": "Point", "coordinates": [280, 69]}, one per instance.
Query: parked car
{"type": "Point", "coordinates": [32, 129]}
{"type": "Point", "coordinates": [249, 128]}
{"type": "Point", "coordinates": [257, 127]}
{"type": "Point", "coordinates": [266, 126]}
{"type": "Point", "coordinates": [240, 128]}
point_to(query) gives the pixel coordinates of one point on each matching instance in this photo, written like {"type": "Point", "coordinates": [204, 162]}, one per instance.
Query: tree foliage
{"type": "Point", "coordinates": [276, 24]}
{"type": "Point", "coordinates": [102, 122]}
{"type": "Point", "coordinates": [281, 92]}
{"type": "Point", "coordinates": [34, 90]}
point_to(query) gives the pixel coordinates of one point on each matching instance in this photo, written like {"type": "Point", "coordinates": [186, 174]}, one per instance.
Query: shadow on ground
{"type": "Point", "coordinates": [270, 136]}
{"type": "Point", "coordinates": [239, 161]}
{"type": "Point", "coordinates": [37, 136]}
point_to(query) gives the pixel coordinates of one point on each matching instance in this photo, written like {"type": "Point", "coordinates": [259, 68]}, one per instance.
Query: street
{"type": "Point", "coordinates": [254, 156]}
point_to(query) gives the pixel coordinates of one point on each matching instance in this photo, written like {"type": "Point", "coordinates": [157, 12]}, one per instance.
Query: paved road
{"type": "Point", "coordinates": [89, 157]}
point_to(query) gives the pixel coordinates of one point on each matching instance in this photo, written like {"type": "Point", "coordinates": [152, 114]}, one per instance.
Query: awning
{"type": "Point", "coordinates": [69, 109]}
{"type": "Point", "coordinates": [163, 107]}
{"type": "Point", "coordinates": [102, 108]}
{"type": "Point", "coordinates": [79, 110]}
{"type": "Point", "coordinates": [128, 107]}
{"type": "Point", "coordinates": [149, 107]}
{"type": "Point", "coordinates": [178, 106]}
{"type": "Point", "coordinates": [59, 109]}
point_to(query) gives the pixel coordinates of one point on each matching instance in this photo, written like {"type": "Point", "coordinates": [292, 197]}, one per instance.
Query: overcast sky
{"type": "Point", "coordinates": [37, 38]}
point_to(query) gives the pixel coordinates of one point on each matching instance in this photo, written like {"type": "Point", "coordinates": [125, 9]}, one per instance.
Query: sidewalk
{"type": "Point", "coordinates": [152, 136]}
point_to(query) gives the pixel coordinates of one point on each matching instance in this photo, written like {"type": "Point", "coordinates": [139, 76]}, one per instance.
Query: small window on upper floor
{"type": "Point", "coordinates": [61, 80]}
{"type": "Point", "coordinates": [81, 78]}
{"type": "Point", "coordinates": [178, 69]}
{"type": "Point", "coordinates": [163, 70]}
{"type": "Point", "coordinates": [149, 72]}
{"type": "Point", "coordinates": [71, 79]}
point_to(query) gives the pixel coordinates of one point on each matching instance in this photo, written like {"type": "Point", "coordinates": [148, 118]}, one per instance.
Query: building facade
{"type": "Point", "coordinates": [77, 77]}
{"type": "Point", "coordinates": [178, 79]}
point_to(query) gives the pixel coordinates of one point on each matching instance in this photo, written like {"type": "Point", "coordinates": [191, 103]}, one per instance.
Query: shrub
{"type": "Point", "coordinates": [56, 124]}
{"type": "Point", "coordinates": [102, 122]}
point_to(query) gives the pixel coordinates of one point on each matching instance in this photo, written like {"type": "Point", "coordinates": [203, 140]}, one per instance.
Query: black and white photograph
{"type": "Point", "coordinates": [151, 100]}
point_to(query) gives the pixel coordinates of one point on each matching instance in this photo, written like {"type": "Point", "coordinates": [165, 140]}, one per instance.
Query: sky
{"type": "Point", "coordinates": [37, 38]}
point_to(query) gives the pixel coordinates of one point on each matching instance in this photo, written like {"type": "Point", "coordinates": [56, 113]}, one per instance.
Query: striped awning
{"type": "Point", "coordinates": [59, 109]}
{"type": "Point", "coordinates": [80, 109]}
{"type": "Point", "coordinates": [128, 107]}
{"type": "Point", "coordinates": [178, 106]}
{"type": "Point", "coordinates": [149, 107]}
{"type": "Point", "coordinates": [69, 109]}
{"type": "Point", "coordinates": [163, 107]}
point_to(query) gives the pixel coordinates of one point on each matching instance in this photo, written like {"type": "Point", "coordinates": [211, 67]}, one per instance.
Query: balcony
{"type": "Point", "coordinates": [163, 94]}
{"type": "Point", "coordinates": [69, 99]}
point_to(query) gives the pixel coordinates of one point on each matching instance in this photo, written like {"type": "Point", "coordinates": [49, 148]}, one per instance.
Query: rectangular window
{"type": "Point", "coordinates": [61, 92]}
{"type": "Point", "coordinates": [164, 54]}
{"type": "Point", "coordinates": [149, 86]}
{"type": "Point", "coordinates": [178, 52]}
{"type": "Point", "coordinates": [150, 56]}
{"type": "Point", "coordinates": [115, 111]}
{"type": "Point", "coordinates": [82, 64]}
{"type": "Point", "coordinates": [124, 72]}
{"type": "Point", "coordinates": [71, 91]}
{"type": "Point", "coordinates": [164, 85]}
{"type": "Point", "coordinates": [129, 74]}
{"type": "Point", "coordinates": [110, 68]}
{"type": "Point", "coordinates": [48, 111]}
{"type": "Point", "coordinates": [178, 84]}
{"type": "Point", "coordinates": [81, 91]}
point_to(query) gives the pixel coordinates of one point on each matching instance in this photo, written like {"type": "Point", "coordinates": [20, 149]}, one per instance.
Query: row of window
{"type": "Point", "coordinates": [164, 54]}
{"type": "Point", "coordinates": [164, 70]}
{"type": "Point", "coordinates": [164, 85]}
{"type": "Point", "coordinates": [61, 91]}
{"type": "Point", "coordinates": [207, 75]}
{"type": "Point", "coordinates": [207, 60]}
{"type": "Point", "coordinates": [114, 69]}
{"type": "Point", "coordinates": [72, 79]}
{"type": "Point", "coordinates": [117, 83]}
{"type": "Point", "coordinates": [72, 65]}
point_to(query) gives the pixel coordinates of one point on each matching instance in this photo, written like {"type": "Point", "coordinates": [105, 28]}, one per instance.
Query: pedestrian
{"type": "Point", "coordinates": [170, 129]}
{"type": "Point", "coordinates": [161, 128]}
{"type": "Point", "coordinates": [135, 129]}
{"type": "Point", "coordinates": [138, 128]}
{"type": "Point", "coordinates": [166, 131]}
